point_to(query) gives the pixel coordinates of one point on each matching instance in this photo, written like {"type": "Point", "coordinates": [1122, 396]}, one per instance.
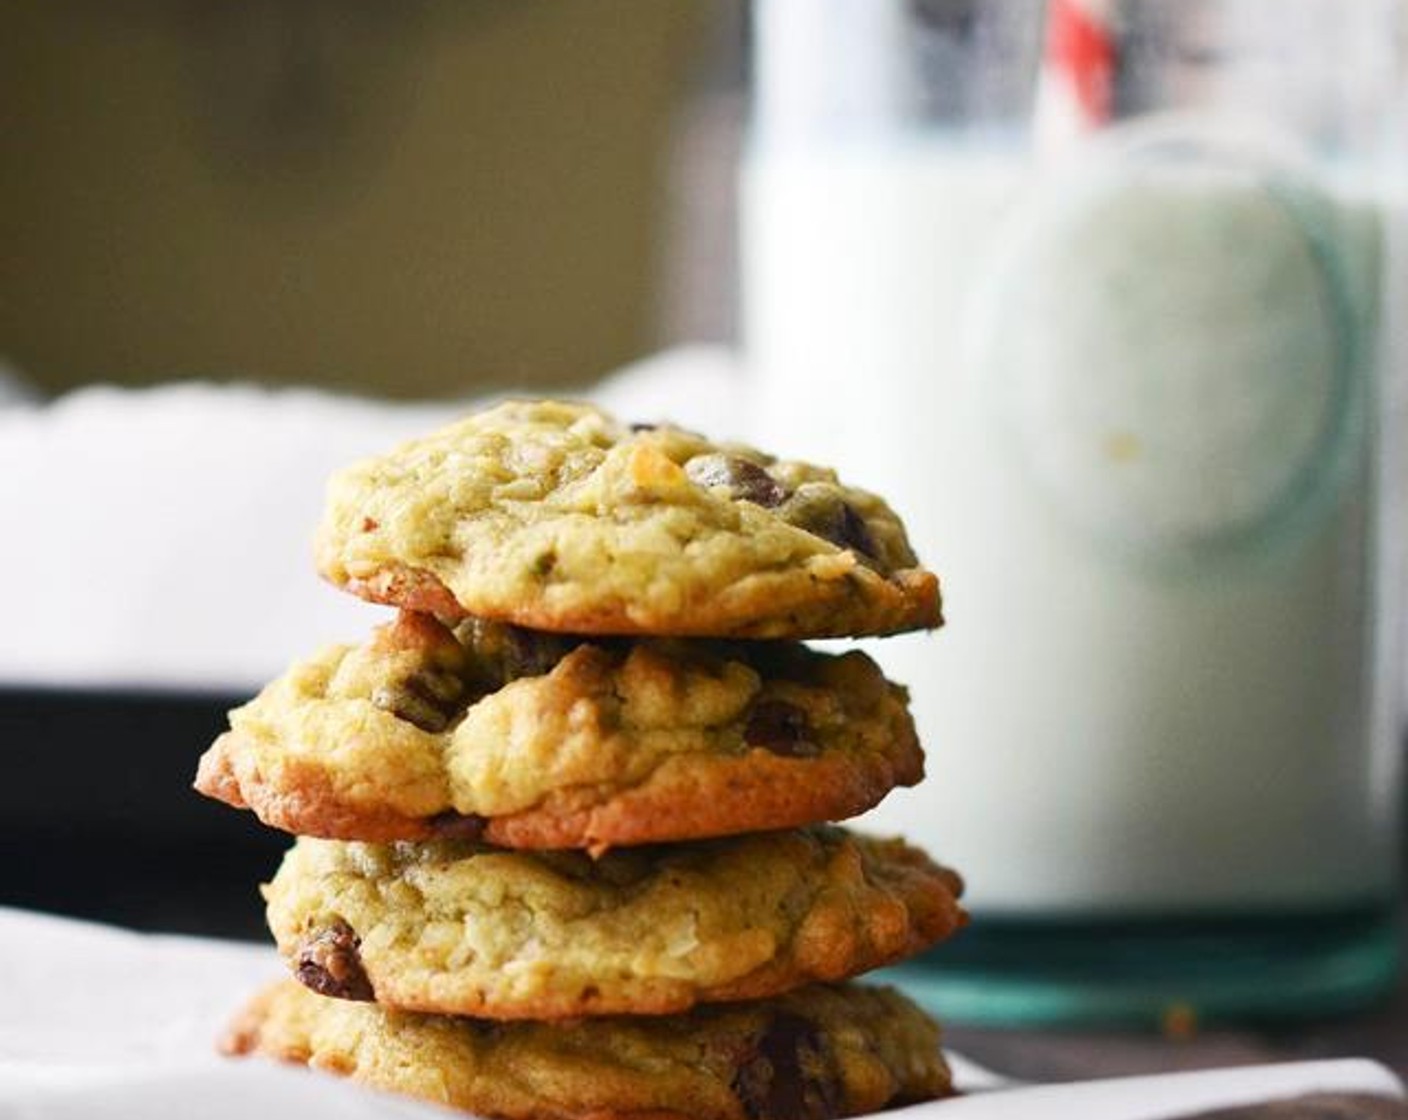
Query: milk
{"type": "Point", "coordinates": [1126, 416]}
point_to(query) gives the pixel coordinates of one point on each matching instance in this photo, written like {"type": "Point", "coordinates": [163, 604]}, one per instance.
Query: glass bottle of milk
{"type": "Point", "coordinates": [1095, 295]}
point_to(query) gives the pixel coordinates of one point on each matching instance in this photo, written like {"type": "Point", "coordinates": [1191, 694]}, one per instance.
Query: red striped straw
{"type": "Point", "coordinates": [1075, 92]}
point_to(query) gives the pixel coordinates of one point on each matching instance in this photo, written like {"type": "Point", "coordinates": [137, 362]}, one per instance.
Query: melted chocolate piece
{"type": "Point", "coordinates": [329, 963]}
{"type": "Point", "coordinates": [501, 653]}
{"type": "Point", "coordinates": [531, 653]}
{"type": "Point", "coordinates": [852, 532]}
{"type": "Point", "coordinates": [782, 728]}
{"type": "Point", "coordinates": [746, 481]}
{"type": "Point", "coordinates": [430, 699]}
{"type": "Point", "coordinates": [824, 513]}
{"type": "Point", "coordinates": [450, 825]}
{"type": "Point", "coordinates": [785, 1075]}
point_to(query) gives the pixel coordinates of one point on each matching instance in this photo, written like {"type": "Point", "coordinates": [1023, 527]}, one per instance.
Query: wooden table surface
{"type": "Point", "coordinates": [1050, 1055]}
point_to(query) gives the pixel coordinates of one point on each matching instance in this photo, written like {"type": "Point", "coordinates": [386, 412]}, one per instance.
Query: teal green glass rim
{"type": "Point", "coordinates": [1150, 972]}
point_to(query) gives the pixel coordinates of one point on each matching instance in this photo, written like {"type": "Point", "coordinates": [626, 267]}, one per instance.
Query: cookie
{"type": "Point", "coordinates": [816, 1054]}
{"type": "Point", "coordinates": [457, 928]}
{"type": "Point", "coordinates": [531, 740]}
{"type": "Point", "coordinates": [558, 517]}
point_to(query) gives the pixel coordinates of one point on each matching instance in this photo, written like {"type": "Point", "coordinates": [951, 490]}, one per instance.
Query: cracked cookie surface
{"type": "Point", "coordinates": [816, 1054]}
{"type": "Point", "coordinates": [454, 927]}
{"type": "Point", "coordinates": [534, 740]}
{"type": "Point", "coordinates": [558, 517]}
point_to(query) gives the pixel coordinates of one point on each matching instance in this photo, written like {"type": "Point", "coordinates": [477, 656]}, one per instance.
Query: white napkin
{"type": "Point", "coordinates": [161, 538]}
{"type": "Point", "coordinates": [98, 1024]}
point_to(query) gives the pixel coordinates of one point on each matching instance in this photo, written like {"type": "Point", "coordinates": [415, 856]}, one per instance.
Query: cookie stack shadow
{"type": "Point", "coordinates": [564, 821]}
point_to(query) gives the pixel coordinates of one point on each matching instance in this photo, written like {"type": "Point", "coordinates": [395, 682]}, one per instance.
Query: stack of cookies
{"type": "Point", "coordinates": [564, 844]}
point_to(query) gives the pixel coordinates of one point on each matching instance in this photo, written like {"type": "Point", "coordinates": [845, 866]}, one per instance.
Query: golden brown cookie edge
{"type": "Point", "coordinates": [774, 605]}
{"type": "Point", "coordinates": [686, 798]}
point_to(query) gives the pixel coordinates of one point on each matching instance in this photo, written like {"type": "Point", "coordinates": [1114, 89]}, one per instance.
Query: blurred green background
{"type": "Point", "coordinates": [411, 199]}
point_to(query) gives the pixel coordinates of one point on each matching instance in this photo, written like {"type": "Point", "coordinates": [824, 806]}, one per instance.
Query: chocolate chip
{"type": "Point", "coordinates": [746, 480]}
{"type": "Point", "coordinates": [638, 426]}
{"type": "Point", "coordinates": [818, 509]}
{"type": "Point", "coordinates": [430, 698]}
{"type": "Point", "coordinates": [784, 1075]}
{"type": "Point", "coordinates": [500, 653]}
{"type": "Point", "coordinates": [450, 825]}
{"type": "Point", "coordinates": [782, 728]}
{"type": "Point", "coordinates": [331, 965]}
{"type": "Point", "coordinates": [530, 653]}
{"type": "Point", "coordinates": [852, 532]}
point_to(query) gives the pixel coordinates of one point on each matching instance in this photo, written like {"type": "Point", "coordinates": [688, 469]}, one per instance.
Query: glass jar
{"type": "Point", "coordinates": [1096, 295]}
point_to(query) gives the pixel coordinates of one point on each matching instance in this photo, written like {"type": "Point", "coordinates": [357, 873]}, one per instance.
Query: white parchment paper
{"type": "Point", "coordinates": [98, 1023]}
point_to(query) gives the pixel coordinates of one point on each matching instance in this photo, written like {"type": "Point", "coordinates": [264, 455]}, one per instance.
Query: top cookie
{"type": "Point", "coordinates": [558, 517]}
